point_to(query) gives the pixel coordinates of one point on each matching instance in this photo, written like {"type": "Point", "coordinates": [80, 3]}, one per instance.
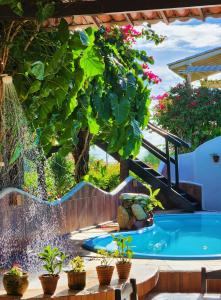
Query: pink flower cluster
{"type": "Point", "coordinates": [130, 34]}
{"type": "Point", "coordinates": [161, 97]}
{"type": "Point", "coordinates": [153, 78]}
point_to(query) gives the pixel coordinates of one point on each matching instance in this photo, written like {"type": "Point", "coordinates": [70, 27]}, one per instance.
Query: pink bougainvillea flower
{"type": "Point", "coordinates": [130, 34]}
{"type": "Point", "coordinates": [152, 78]}
{"type": "Point", "coordinates": [162, 106]}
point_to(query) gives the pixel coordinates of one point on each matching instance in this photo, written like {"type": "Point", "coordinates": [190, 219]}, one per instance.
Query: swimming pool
{"type": "Point", "coordinates": [173, 236]}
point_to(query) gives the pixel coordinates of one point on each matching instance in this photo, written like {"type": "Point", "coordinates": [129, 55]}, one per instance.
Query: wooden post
{"type": "Point", "coordinates": [124, 170]}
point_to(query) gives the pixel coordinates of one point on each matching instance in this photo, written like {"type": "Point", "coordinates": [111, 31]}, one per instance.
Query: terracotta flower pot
{"type": "Point", "coordinates": [105, 274]}
{"type": "Point", "coordinates": [15, 285]}
{"type": "Point", "coordinates": [123, 270]}
{"type": "Point", "coordinates": [76, 280]}
{"type": "Point", "coordinates": [49, 283]}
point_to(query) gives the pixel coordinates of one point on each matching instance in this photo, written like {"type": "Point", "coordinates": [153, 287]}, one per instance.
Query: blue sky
{"type": "Point", "coordinates": [182, 40]}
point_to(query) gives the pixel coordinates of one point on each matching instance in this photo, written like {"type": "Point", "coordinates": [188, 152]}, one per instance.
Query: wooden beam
{"type": "Point", "coordinates": [129, 19]}
{"type": "Point", "coordinates": [96, 21]}
{"type": "Point", "coordinates": [201, 14]}
{"type": "Point", "coordinates": [139, 21]}
{"type": "Point", "coordinates": [107, 7]}
{"type": "Point", "coordinates": [116, 6]}
{"type": "Point", "coordinates": [164, 17]}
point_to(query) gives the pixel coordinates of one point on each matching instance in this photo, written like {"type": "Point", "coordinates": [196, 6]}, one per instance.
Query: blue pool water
{"type": "Point", "coordinates": [178, 236]}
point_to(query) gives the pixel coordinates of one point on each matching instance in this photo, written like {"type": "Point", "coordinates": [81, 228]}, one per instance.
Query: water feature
{"type": "Point", "coordinates": [19, 152]}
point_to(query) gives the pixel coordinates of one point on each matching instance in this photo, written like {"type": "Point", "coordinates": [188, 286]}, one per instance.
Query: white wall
{"type": "Point", "coordinates": [199, 167]}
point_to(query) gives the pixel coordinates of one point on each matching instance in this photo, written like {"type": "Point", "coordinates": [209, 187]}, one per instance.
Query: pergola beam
{"type": "Point", "coordinates": [108, 7]}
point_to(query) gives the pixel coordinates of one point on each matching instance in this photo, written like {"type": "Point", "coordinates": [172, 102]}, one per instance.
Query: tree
{"type": "Point", "coordinates": [191, 113]}
{"type": "Point", "coordinates": [80, 86]}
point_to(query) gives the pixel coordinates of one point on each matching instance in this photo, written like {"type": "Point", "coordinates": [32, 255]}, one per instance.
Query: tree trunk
{"type": "Point", "coordinates": [81, 155]}
{"type": "Point", "coordinates": [124, 170]}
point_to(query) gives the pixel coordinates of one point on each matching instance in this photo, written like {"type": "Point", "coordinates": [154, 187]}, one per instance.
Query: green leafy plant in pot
{"type": "Point", "coordinates": [53, 260]}
{"type": "Point", "coordinates": [123, 255]}
{"type": "Point", "coordinates": [15, 281]}
{"type": "Point", "coordinates": [77, 274]}
{"type": "Point", "coordinates": [105, 270]}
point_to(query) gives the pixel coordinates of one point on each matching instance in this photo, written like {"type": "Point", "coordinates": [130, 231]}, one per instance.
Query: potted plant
{"type": "Point", "coordinates": [123, 255]}
{"type": "Point", "coordinates": [53, 261]}
{"type": "Point", "coordinates": [105, 270]}
{"type": "Point", "coordinates": [15, 281]}
{"type": "Point", "coordinates": [77, 274]}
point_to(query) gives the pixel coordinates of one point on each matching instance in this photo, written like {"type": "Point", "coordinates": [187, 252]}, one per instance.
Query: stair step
{"type": "Point", "coordinates": [160, 177]}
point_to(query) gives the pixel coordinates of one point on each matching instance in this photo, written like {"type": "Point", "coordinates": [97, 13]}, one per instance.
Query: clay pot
{"type": "Point", "coordinates": [49, 283]}
{"type": "Point", "coordinates": [15, 285]}
{"type": "Point", "coordinates": [123, 270]}
{"type": "Point", "coordinates": [76, 280]}
{"type": "Point", "coordinates": [105, 274]}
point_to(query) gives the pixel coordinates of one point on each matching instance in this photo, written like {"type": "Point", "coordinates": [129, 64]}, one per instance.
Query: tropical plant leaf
{"type": "Point", "coordinates": [38, 69]}
{"type": "Point", "coordinates": [120, 108]}
{"type": "Point", "coordinates": [92, 62]}
{"type": "Point", "coordinates": [16, 153]}
{"type": "Point", "coordinates": [35, 87]}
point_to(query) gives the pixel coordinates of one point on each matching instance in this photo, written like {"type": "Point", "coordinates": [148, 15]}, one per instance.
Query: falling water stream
{"type": "Point", "coordinates": [27, 228]}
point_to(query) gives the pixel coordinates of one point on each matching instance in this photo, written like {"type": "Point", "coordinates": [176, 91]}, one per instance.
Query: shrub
{"type": "Point", "coordinates": [191, 113]}
{"type": "Point", "coordinates": [106, 177]}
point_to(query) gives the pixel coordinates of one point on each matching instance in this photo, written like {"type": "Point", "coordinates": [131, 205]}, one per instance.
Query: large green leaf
{"type": "Point", "coordinates": [56, 62]}
{"type": "Point", "coordinates": [38, 69]}
{"type": "Point", "coordinates": [16, 153]}
{"type": "Point", "coordinates": [35, 87]}
{"type": "Point", "coordinates": [120, 108]}
{"type": "Point", "coordinates": [77, 85]}
{"type": "Point", "coordinates": [92, 62]}
{"type": "Point", "coordinates": [45, 11]}
{"type": "Point", "coordinates": [63, 31]}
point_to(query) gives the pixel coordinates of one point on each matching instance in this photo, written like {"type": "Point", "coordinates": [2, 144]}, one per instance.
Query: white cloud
{"type": "Point", "coordinates": [183, 40]}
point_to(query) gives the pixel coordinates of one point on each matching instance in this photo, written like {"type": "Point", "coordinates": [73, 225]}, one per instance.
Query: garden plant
{"type": "Point", "coordinates": [77, 87]}
{"type": "Point", "coordinates": [53, 260]}
{"type": "Point", "coordinates": [15, 281]}
{"type": "Point", "coordinates": [105, 269]}
{"type": "Point", "coordinates": [123, 254]}
{"type": "Point", "coordinates": [77, 274]}
{"type": "Point", "coordinates": [190, 113]}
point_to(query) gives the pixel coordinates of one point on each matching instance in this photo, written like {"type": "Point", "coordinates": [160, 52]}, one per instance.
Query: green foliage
{"type": "Point", "coordinates": [59, 176]}
{"type": "Point", "coordinates": [152, 161]}
{"type": "Point", "coordinates": [103, 176]}
{"type": "Point", "coordinates": [82, 80]}
{"type": "Point", "coordinates": [53, 260]}
{"type": "Point", "coordinates": [44, 8]}
{"type": "Point", "coordinates": [77, 264]}
{"type": "Point", "coordinates": [63, 173]}
{"type": "Point", "coordinates": [124, 252]}
{"type": "Point", "coordinates": [190, 113]}
{"type": "Point", "coordinates": [15, 271]}
{"type": "Point", "coordinates": [106, 257]}
{"type": "Point", "coordinates": [152, 202]}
